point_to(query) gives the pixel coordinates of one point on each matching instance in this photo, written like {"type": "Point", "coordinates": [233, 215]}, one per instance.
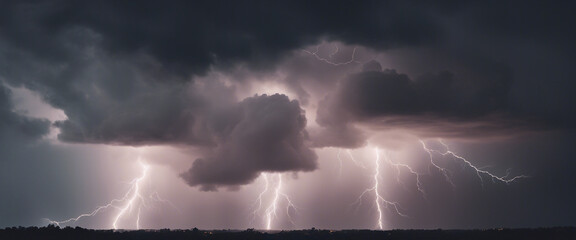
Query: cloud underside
{"type": "Point", "coordinates": [148, 75]}
{"type": "Point", "coordinates": [433, 105]}
{"type": "Point", "coordinates": [16, 127]}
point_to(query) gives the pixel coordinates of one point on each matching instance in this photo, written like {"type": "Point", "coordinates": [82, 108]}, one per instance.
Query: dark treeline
{"type": "Point", "coordinates": [54, 232]}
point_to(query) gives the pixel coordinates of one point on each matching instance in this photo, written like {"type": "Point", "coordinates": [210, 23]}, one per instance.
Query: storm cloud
{"type": "Point", "coordinates": [126, 75]}
{"type": "Point", "coordinates": [260, 134]}
{"type": "Point", "coordinates": [16, 127]}
{"type": "Point", "coordinates": [433, 105]}
{"type": "Point", "coordinates": [150, 74]}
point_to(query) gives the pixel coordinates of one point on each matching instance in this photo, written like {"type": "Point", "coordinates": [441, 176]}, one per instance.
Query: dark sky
{"type": "Point", "coordinates": [434, 107]}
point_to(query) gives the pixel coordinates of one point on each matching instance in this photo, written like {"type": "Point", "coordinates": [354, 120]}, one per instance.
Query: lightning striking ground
{"type": "Point", "coordinates": [259, 200]}
{"type": "Point", "coordinates": [276, 196]}
{"type": "Point", "coordinates": [132, 200]}
{"type": "Point", "coordinates": [135, 196]}
{"type": "Point", "coordinates": [379, 200]}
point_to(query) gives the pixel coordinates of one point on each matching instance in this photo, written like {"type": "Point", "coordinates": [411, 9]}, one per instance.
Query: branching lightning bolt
{"type": "Point", "coordinates": [378, 199]}
{"type": "Point", "coordinates": [336, 50]}
{"type": "Point", "coordinates": [358, 163]}
{"type": "Point", "coordinates": [135, 189]}
{"type": "Point", "coordinates": [331, 55]}
{"type": "Point", "coordinates": [271, 211]}
{"type": "Point", "coordinates": [398, 166]}
{"type": "Point", "coordinates": [380, 202]}
{"type": "Point", "coordinates": [260, 200]}
{"type": "Point", "coordinates": [444, 171]}
{"type": "Point", "coordinates": [132, 199]}
{"type": "Point", "coordinates": [340, 161]}
{"type": "Point", "coordinates": [479, 172]}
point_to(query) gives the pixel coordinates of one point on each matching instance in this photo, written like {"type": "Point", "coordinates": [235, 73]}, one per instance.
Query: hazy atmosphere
{"type": "Point", "coordinates": [287, 114]}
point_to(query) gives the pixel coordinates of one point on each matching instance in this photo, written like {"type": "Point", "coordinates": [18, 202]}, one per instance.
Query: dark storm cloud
{"type": "Point", "coordinates": [121, 97]}
{"type": "Point", "coordinates": [431, 105]}
{"type": "Point", "coordinates": [540, 21]}
{"type": "Point", "coordinates": [100, 61]}
{"type": "Point", "coordinates": [15, 126]}
{"type": "Point", "coordinates": [261, 133]}
{"type": "Point", "coordinates": [376, 93]}
{"type": "Point", "coordinates": [190, 37]}
{"type": "Point", "coordinates": [120, 72]}
{"type": "Point", "coordinates": [128, 74]}
{"type": "Point", "coordinates": [114, 101]}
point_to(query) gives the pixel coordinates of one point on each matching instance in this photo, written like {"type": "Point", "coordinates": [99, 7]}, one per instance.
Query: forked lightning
{"type": "Point", "coordinates": [133, 200]}
{"type": "Point", "coordinates": [276, 197]}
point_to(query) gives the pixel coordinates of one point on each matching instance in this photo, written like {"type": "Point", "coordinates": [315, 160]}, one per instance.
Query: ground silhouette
{"type": "Point", "coordinates": [57, 233]}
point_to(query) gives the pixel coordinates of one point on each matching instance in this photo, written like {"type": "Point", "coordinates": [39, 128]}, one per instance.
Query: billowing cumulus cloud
{"type": "Point", "coordinates": [261, 133]}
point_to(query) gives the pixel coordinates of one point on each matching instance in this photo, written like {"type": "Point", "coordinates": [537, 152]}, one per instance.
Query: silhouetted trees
{"type": "Point", "coordinates": [55, 232]}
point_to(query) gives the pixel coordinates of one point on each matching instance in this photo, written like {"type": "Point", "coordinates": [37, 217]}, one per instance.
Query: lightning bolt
{"type": "Point", "coordinates": [271, 211]}
{"type": "Point", "coordinates": [379, 200]}
{"type": "Point", "coordinates": [399, 166]}
{"type": "Point", "coordinates": [340, 161]}
{"type": "Point", "coordinates": [260, 200]}
{"type": "Point", "coordinates": [135, 189]}
{"type": "Point", "coordinates": [358, 163]}
{"type": "Point", "coordinates": [131, 200]}
{"type": "Point", "coordinates": [479, 171]}
{"type": "Point", "coordinates": [336, 50]}
{"type": "Point", "coordinates": [331, 55]}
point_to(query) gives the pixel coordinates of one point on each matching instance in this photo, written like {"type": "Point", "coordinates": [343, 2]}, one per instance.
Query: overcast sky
{"type": "Point", "coordinates": [364, 114]}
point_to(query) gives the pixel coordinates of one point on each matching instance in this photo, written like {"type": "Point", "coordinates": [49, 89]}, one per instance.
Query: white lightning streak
{"type": "Point", "coordinates": [444, 171]}
{"type": "Point", "coordinates": [376, 193]}
{"type": "Point", "coordinates": [378, 199]}
{"type": "Point", "coordinates": [329, 61]}
{"type": "Point", "coordinates": [138, 219]}
{"type": "Point", "coordinates": [339, 160]}
{"type": "Point", "coordinates": [271, 212]}
{"type": "Point", "coordinates": [135, 195]}
{"type": "Point", "coordinates": [261, 195]}
{"type": "Point", "coordinates": [336, 50]}
{"type": "Point", "coordinates": [156, 197]}
{"type": "Point", "coordinates": [410, 170]}
{"type": "Point", "coordinates": [479, 172]}
{"type": "Point", "coordinates": [131, 200]}
{"type": "Point", "coordinates": [358, 163]}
